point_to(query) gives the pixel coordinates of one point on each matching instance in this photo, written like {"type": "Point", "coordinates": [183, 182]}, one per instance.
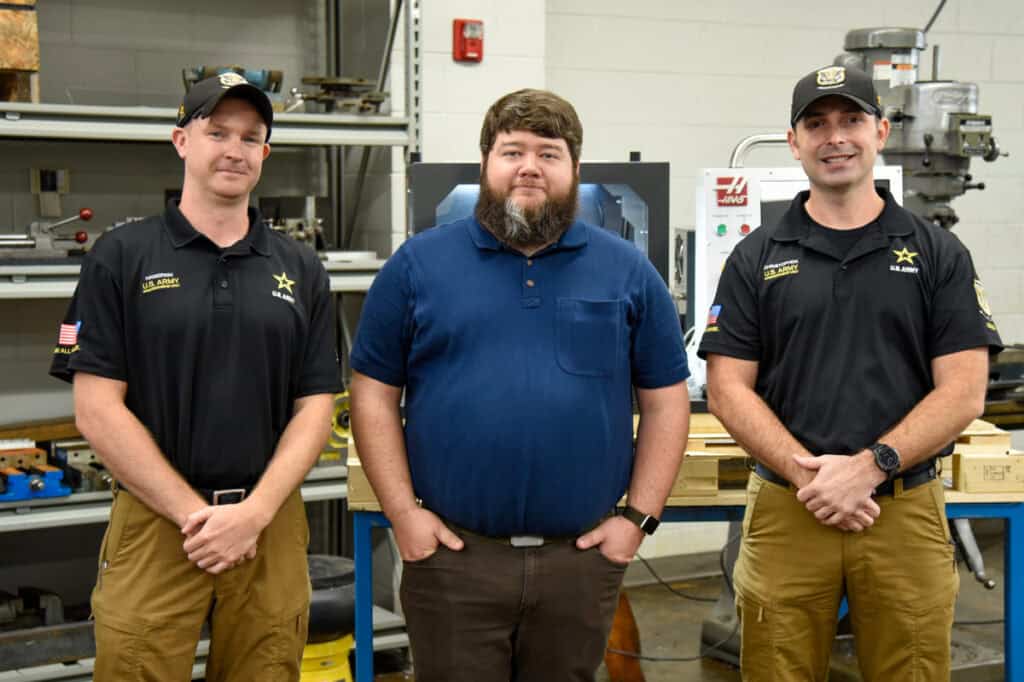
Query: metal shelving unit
{"type": "Point", "coordinates": [153, 124]}
{"type": "Point", "coordinates": [348, 272]}
{"type": "Point", "coordinates": [388, 633]}
{"type": "Point", "coordinates": [322, 483]}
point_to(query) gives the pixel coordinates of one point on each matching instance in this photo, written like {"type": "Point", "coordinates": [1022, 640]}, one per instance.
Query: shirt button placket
{"type": "Point", "coordinates": [530, 295]}
{"type": "Point", "coordinates": [222, 283]}
{"type": "Point", "coordinates": [529, 278]}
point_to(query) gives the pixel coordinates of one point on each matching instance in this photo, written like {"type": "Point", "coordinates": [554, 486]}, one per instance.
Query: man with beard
{"type": "Point", "coordinates": [518, 336]}
{"type": "Point", "coordinates": [847, 347]}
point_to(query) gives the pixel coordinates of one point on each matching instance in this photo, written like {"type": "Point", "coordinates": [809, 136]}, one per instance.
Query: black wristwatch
{"type": "Point", "coordinates": [887, 459]}
{"type": "Point", "coordinates": [647, 523]}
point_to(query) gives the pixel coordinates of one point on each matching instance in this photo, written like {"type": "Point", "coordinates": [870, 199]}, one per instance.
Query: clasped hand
{"type": "Point", "coordinates": [221, 537]}
{"type": "Point", "coordinates": [840, 492]}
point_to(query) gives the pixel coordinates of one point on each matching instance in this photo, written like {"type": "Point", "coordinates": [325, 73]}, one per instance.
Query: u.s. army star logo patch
{"type": "Point", "coordinates": [284, 283]}
{"type": "Point", "coordinates": [905, 255]}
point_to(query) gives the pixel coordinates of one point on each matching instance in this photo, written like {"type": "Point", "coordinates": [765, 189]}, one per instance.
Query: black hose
{"type": "Point", "coordinates": [942, 3]}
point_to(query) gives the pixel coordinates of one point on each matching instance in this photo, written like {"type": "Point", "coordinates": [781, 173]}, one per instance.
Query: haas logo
{"type": "Point", "coordinates": [732, 191]}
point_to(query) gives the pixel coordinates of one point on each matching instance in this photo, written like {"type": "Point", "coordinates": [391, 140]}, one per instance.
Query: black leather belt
{"type": "Point", "coordinates": [918, 475]}
{"type": "Point", "coordinates": [526, 541]}
{"type": "Point", "coordinates": [212, 497]}
{"type": "Point", "coordinates": [224, 495]}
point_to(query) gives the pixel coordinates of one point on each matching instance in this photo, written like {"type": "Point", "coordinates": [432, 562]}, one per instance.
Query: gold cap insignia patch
{"type": "Point", "coordinates": [832, 75]}
{"type": "Point", "coordinates": [231, 79]}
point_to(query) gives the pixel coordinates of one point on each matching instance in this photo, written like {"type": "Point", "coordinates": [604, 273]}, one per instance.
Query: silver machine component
{"type": "Point", "coordinates": [936, 127]}
{"type": "Point", "coordinates": [298, 217]}
{"type": "Point", "coordinates": [45, 240]}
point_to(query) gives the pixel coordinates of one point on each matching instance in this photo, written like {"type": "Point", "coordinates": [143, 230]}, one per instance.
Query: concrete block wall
{"type": "Point", "coordinates": [456, 95]}
{"type": "Point", "coordinates": [684, 81]}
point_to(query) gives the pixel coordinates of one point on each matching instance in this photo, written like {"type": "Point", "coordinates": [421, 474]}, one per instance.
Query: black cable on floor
{"type": "Point", "coordinates": [656, 659]}
{"type": "Point", "coordinates": [678, 593]}
{"type": "Point", "coordinates": [721, 561]}
{"type": "Point", "coordinates": [997, 621]}
{"type": "Point", "coordinates": [678, 659]}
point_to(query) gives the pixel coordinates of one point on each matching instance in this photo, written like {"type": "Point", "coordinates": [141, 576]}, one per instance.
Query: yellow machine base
{"type": "Point", "coordinates": [327, 661]}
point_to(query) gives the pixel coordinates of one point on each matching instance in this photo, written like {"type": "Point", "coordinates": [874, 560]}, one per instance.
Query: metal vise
{"type": "Point", "coordinates": [44, 240]}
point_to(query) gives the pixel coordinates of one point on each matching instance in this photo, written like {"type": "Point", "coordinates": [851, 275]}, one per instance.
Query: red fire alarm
{"type": "Point", "coordinates": [467, 40]}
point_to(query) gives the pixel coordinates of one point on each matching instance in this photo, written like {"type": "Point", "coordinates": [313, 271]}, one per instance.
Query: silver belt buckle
{"type": "Point", "coordinates": [526, 541]}
{"type": "Point", "coordinates": [230, 491]}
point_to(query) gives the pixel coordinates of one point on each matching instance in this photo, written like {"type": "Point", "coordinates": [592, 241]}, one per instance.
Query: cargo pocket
{"type": "Point", "coordinates": [587, 334]}
{"type": "Point", "coordinates": [757, 640]}
{"type": "Point", "coordinates": [284, 655]}
{"type": "Point", "coordinates": [118, 645]}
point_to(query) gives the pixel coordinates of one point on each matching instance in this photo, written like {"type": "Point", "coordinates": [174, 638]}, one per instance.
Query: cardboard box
{"type": "Point", "coordinates": [19, 86]}
{"type": "Point", "coordinates": [360, 494]}
{"type": "Point", "coordinates": [19, 38]}
{"type": "Point", "coordinates": [944, 466]}
{"type": "Point", "coordinates": [698, 475]}
{"type": "Point", "coordinates": [988, 473]}
{"type": "Point", "coordinates": [982, 433]}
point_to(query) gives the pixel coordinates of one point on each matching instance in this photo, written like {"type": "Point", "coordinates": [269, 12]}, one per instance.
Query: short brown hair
{"type": "Point", "coordinates": [538, 111]}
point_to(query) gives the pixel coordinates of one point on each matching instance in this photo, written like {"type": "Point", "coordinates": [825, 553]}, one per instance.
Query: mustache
{"type": "Point", "coordinates": [516, 225]}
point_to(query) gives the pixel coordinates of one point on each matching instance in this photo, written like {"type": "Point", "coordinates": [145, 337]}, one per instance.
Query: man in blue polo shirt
{"type": "Point", "coordinates": [518, 336]}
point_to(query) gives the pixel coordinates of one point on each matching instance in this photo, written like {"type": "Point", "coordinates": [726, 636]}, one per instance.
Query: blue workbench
{"type": "Point", "coordinates": [728, 506]}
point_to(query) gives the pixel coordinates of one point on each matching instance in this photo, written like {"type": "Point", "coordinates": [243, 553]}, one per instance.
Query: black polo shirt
{"type": "Point", "coordinates": [845, 342]}
{"type": "Point", "coordinates": [215, 344]}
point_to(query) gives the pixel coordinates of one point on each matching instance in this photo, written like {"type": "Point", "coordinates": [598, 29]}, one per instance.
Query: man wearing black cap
{"type": "Point", "coordinates": [201, 348]}
{"type": "Point", "coordinates": [848, 346]}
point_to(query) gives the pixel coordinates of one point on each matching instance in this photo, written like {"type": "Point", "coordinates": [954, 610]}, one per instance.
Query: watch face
{"type": "Point", "coordinates": [887, 458]}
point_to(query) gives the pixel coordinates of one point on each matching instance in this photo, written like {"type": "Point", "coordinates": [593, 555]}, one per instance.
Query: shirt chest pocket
{"type": "Point", "coordinates": [587, 336]}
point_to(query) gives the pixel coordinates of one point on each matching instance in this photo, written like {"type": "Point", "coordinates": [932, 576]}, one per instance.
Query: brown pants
{"type": "Point", "coordinates": [494, 613]}
{"type": "Point", "coordinates": [150, 602]}
{"type": "Point", "coordinates": [899, 577]}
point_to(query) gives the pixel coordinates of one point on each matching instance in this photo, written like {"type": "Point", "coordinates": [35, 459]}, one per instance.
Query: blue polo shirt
{"type": "Point", "coordinates": [518, 372]}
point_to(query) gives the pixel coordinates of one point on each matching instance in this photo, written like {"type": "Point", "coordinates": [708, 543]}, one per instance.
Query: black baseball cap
{"type": "Point", "coordinates": [203, 97]}
{"type": "Point", "coordinates": [853, 84]}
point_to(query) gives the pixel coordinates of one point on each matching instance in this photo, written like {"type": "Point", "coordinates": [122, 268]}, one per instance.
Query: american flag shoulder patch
{"type": "Point", "coordinates": [68, 334]}
{"type": "Point", "coordinates": [714, 313]}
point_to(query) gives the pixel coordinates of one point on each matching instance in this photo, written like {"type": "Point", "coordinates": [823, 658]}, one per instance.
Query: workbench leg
{"type": "Point", "coordinates": [1013, 645]}
{"type": "Point", "coordinates": [361, 527]}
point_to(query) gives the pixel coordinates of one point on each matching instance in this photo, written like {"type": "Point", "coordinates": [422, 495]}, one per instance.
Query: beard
{"type": "Point", "coordinates": [531, 226]}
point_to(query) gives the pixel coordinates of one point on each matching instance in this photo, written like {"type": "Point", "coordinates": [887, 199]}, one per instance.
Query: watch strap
{"type": "Point", "coordinates": [647, 523]}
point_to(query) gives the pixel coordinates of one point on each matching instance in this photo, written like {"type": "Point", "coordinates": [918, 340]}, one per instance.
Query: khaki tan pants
{"type": "Point", "coordinates": [899, 577]}
{"type": "Point", "coordinates": [150, 602]}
